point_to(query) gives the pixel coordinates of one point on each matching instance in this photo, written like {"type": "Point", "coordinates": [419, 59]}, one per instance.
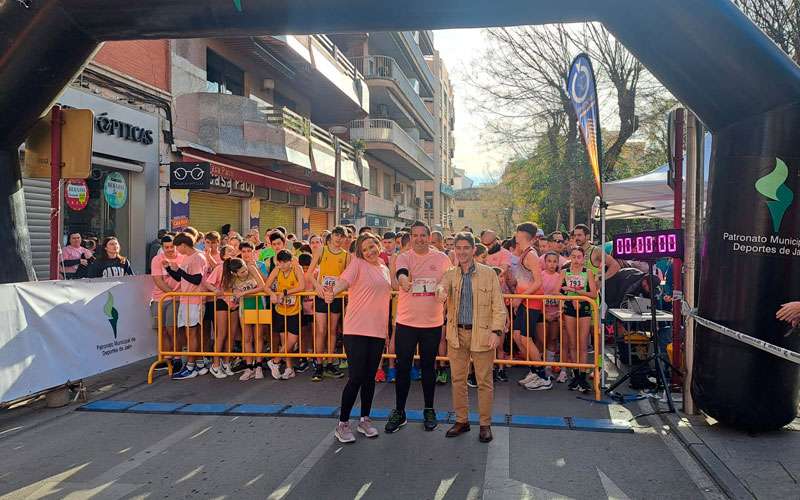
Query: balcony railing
{"type": "Point", "coordinates": [288, 119]}
{"type": "Point", "coordinates": [337, 55]}
{"type": "Point", "coordinates": [382, 130]}
{"type": "Point", "coordinates": [385, 67]}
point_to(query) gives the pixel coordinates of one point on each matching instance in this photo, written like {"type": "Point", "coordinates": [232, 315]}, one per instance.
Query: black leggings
{"type": "Point", "coordinates": [363, 357]}
{"type": "Point", "coordinates": [405, 344]}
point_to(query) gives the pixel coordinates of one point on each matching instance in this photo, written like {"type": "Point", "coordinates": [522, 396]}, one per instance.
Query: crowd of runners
{"type": "Point", "coordinates": [396, 303]}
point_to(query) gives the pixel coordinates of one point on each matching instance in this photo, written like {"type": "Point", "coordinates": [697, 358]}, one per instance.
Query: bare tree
{"type": "Point", "coordinates": [779, 19]}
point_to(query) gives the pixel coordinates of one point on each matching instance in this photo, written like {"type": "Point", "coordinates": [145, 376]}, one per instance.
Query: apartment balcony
{"type": "Point", "coordinates": [388, 142]}
{"type": "Point", "coordinates": [404, 48]}
{"type": "Point", "coordinates": [261, 135]}
{"type": "Point", "coordinates": [390, 88]}
{"type": "Point", "coordinates": [318, 68]}
{"type": "Point", "coordinates": [377, 205]}
{"type": "Point", "coordinates": [426, 42]}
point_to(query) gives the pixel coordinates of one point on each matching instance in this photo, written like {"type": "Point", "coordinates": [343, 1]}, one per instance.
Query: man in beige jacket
{"type": "Point", "coordinates": [476, 317]}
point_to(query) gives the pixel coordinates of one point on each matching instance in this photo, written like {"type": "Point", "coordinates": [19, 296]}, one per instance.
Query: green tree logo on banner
{"type": "Point", "coordinates": [773, 187]}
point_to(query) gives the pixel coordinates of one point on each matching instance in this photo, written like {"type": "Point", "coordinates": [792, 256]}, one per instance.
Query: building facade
{"type": "Point", "coordinates": [439, 192]}
{"type": "Point", "coordinates": [402, 136]}
{"type": "Point", "coordinates": [127, 87]}
{"type": "Point", "coordinates": [263, 112]}
{"type": "Point", "coordinates": [474, 210]}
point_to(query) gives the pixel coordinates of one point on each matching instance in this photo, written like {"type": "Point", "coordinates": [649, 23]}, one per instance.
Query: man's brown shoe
{"type": "Point", "coordinates": [485, 435]}
{"type": "Point", "coordinates": [457, 429]}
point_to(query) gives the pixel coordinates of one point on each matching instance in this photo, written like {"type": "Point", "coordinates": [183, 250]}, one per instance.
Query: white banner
{"type": "Point", "coordinates": [52, 332]}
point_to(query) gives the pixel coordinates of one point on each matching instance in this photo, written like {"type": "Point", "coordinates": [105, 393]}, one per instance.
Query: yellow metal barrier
{"type": "Point", "coordinates": [257, 313]}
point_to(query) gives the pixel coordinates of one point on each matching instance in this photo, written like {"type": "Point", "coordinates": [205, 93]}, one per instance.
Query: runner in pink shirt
{"type": "Point", "coordinates": [366, 327]}
{"type": "Point", "coordinates": [190, 275]}
{"type": "Point", "coordinates": [164, 283]}
{"type": "Point", "coordinates": [420, 317]}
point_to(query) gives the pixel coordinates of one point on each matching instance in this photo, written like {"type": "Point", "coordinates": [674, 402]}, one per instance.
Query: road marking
{"type": "Point", "coordinates": [308, 463]}
{"type": "Point", "coordinates": [613, 492]}
{"type": "Point", "coordinates": [444, 487]}
{"type": "Point", "coordinates": [696, 473]}
{"type": "Point", "coordinates": [497, 482]}
{"type": "Point", "coordinates": [362, 491]}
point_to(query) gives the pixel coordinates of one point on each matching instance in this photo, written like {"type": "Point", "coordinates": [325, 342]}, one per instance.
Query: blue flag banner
{"type": "Point", "coordinates": [582, 90]}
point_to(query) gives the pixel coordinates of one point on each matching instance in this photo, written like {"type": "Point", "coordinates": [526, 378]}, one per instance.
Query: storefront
{"type": "Point", "coordinates": [117, 197]}
{"type": "Point", "coordinates": [239, 196]}
{"type": "Point", "coordinates": [318, 221]}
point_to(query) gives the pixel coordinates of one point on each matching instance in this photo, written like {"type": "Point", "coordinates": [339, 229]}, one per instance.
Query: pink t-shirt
{"type": "Point", "coordinates": [157, 269]}
{"type": "Point", "coordinates": [69, 252]}
{"type": "Point", "coordinates": [551, 285]}
{"type": "Point", "coordinates": [499, 259]}
{"type": "Point", "coordinates": [370, 291]}
{"type": "Point", "coordinates": [193, 264]}
{"type": "Point", "coordinates": [420, 308]}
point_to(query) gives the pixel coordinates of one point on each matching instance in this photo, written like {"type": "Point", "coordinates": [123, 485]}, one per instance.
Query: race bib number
{"type": "Point", "coordinates": [576, 282]}
{"type": "Point", "coordinates": [328, 281]}
{"type": "Point", "coordinates": [289, 300]}
{"type": "Point", "coordinates": [550, 302]}
{"type": "Point", "coordinates": [423, 287]}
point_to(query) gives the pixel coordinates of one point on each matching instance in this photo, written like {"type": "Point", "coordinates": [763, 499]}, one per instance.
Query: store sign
{"type": "Point", "coordinates": [179, 209]}
{"type": "Point", "coordinates": [115, 190]}
{"type": "Point", "coordinates": [76, 194]}
{"type": "Point", "coordinates": [123, 130]}
{"type": "Point", "coordinates": [189, 175]}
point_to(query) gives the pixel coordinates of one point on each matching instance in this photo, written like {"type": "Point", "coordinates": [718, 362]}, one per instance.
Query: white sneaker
{"type": "Point", "coordinates": [202, 369]}
{"type": "Point", "coordinates": [344, 433]}
{"type": "Point", "coordinates": [287, 374]}
{"type": "Point", "coordinates": [366, 428]}
{"type": "Point", "coordinates": [530, 376]}
{"type": "Point", "coordinates": [218, 372]}
{"type": "Point", "coordinates": [562, 376]}
{"type": "Point", "coordinates": [274, 369]}
{"type": "Point", "coordinates": [226, 367]}
{"type": "Point", "coordinates": [259, 373]}
{"type": "Point", "coordinates": [538, 384]}
{"type": "Point", "coordinates": [247, 374]}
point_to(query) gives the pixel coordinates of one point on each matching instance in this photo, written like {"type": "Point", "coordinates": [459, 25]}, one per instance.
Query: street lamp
{"type": "Point", "coordinates": [337, 148]}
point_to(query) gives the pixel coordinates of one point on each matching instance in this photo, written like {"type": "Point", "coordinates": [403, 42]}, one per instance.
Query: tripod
{"type": "Point", "coordinates": [659, 357]}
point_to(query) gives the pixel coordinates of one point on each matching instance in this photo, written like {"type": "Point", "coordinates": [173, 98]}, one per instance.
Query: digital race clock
{"type": "Point", "coordinates": [649, 245]}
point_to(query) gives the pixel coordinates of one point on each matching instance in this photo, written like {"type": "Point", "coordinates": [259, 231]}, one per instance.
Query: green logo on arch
{"type": "Point", "coordinates": [773, 186]}
{"type": "Point", "coordinates": [238, 5]}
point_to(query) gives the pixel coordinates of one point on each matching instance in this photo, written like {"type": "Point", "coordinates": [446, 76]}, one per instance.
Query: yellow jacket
{"type": "Point", "coordinates": [488, 309]}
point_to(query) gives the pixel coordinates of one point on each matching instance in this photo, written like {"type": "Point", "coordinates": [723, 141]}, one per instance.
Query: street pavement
{"type": "Point", "coordinates": [64, 453]}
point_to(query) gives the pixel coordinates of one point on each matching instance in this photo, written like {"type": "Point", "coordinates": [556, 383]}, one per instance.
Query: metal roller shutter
{"type": "Point", "coordinates": [209, 212]}
{"type": "Point", "coordinates": [318, 221]}
{"type": "Point", "coordinates": [273, 215]}
{"type": "Point", "coordinates": [37, 206]}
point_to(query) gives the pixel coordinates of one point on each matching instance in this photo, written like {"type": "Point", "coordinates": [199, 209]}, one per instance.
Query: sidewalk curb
{"type": "Point", "coordinates": [705, 456]}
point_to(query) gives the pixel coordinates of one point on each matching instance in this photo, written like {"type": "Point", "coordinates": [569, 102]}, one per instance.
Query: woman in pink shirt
{"type": "Point", "coordinates": [365, 330]}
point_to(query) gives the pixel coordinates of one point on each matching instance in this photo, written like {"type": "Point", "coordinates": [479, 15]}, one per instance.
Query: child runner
{"type": "Point", "coordinates": [551, 285]}
{"type": "Point", "coordinates": [331, 259]}
{"type": "Point", "coordinates": [284, 281]}
{"type": "Point", "coordinates": [578, 281]}
{"type": "Point", "coordinates": [241, 280]}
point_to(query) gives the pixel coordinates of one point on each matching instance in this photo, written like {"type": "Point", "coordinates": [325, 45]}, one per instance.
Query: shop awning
{"type": "Point", "coordinates": [238, 171]}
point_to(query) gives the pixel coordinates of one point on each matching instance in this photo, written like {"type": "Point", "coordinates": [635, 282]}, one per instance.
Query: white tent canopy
{"type": "Point", "coordinates": [648, 195]}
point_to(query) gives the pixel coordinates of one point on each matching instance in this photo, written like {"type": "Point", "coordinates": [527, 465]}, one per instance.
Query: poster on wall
{"type": "Point", "coordinates": [255, 213]}
{"type": "Point", "coordinates": [76, 194]}
{"type": "Point", "coordinates": [115, 190]}
{"type": "Point", "coordinates": [179, 209]}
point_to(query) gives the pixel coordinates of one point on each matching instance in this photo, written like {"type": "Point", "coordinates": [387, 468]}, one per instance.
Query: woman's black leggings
{"type": "Point", "coordinates": [363, 357]}
{"type": "Point", "coordinates": [405, 345]}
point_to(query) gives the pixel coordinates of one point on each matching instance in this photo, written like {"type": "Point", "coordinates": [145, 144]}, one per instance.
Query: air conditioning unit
{"type": "Point", "coordinates": [398, 188]}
